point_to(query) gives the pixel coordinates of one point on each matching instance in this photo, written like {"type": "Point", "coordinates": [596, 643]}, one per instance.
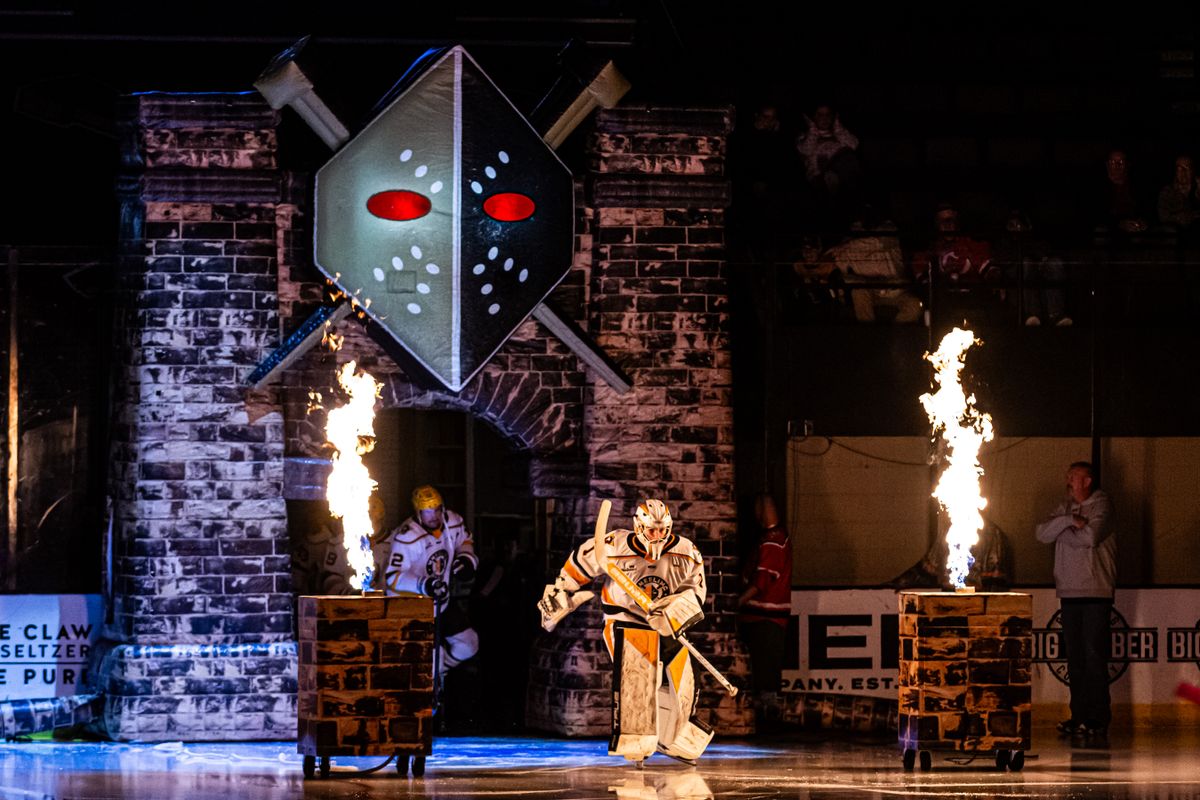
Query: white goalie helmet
{"type": "Point", "coordinates": [652, 526]}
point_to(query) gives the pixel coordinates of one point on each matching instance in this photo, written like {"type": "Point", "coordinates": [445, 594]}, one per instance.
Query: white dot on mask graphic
{"type": "Point", "coordinates": [493, 308]}
{"type": "Point", "coordinates": [485, 289]}
{"type": "Point", "coordinates": [378, 273]}
{"type": "Point", "coordinates": [523, 275]}
{"type": "Point", "coordinates": [476, 187]}
{"type": "Point", "coordinates": [421, 170]}
{"type": "Point", "coordinates": [413, 308]}
{"type": "Point", "coordinates": [503, 156]}
{"type": "Point", "coordinates": [479, 269]}
{"type": "Point", "coordinates": [508, 264]}
{"type": "Point", "coordinates": [490, 171]}
{"type": "Point", "coordinates": [432, 269]}
{"type": "Point", "coordinates": [405, 155]}
{"type": "Point", "coordinates": [495, 251]}
{"type": "Point", "coordinates": [423, 288]}
{"type": "Point", "coordinates": [435, 187]}
{"type": "Point", "coordinates": [416, 251]}
{"type": "Point", "coordinates": [397, 263]}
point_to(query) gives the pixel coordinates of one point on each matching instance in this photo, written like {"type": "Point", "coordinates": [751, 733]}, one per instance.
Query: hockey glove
{"type": "Point", "coordinates": [557, 603]}
{"type": "Point", "coordinates": [462, 570]}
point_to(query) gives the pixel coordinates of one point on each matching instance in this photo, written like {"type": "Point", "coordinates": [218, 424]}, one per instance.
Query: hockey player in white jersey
{"type": "Point", "coordinates": [427, 554]}
{"type": "Point", "coordinates": [668, 568]}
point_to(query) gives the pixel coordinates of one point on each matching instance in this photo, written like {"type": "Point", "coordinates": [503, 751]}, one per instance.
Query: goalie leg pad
{"type": "Point", "coordinates": [680, 734]}
{"type": "Point", "coordinates": [690, 742]}
{"type": "Point", "coordinates": [636, 674]}
{"type": "Point", "coordinates": [676, 697]}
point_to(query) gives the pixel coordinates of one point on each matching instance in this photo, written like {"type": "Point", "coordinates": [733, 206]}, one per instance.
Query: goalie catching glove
{"type": "Point", "coordinates": [557, 602]}
{"type": "Point", "coordinates": [675, 613]}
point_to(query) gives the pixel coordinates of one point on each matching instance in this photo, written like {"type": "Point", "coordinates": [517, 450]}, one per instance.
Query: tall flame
{"type": "Point", "coordinates": [351, 430]}
{"type": "Point", "coordinates": [963, 429]}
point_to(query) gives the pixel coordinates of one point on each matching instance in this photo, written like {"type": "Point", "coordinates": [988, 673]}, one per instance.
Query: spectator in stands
{"type": "Point", "coordinates": [1025, 259]}
{"type": "Point", "coordinates": [765, 171]}
{"type": "Point", "coordinates": [953, 257]}
{"type": "Point", "coordinates": [1130, 284]}
{"type": "Point", "coordinates": [955, 265]}
{"type": "Point", "coordinates": [819, 293]}
{"type": "Point", "coordinates": [1179, 201]}
{"type": "Point", "coordinates": [1121, 207]}
{"type": "Point", "coordinates": [830, 161]}
{"type": "Point", "coordinates": [870, 257]}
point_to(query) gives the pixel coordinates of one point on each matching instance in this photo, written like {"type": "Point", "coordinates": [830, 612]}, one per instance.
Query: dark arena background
{"type": "Point", "coordinates": [743, 230]}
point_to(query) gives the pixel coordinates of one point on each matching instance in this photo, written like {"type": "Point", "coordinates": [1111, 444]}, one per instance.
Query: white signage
{"type": "Point", "coordinates": [45, 641]}
{"type": "Point", "coordinates": [848, 643]}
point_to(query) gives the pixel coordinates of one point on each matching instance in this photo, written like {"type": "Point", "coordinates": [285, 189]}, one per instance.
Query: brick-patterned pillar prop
{"type": "Point", "coordinates": [965, 662]}
{"type": "Point", "coordinates": [366, 676]}
{"type": "Point", "coordinates": [570, 674]}
{"type": "Point", "coordinates": [201, 643]}
{"type": "Point", "coordinates": [659, 307]}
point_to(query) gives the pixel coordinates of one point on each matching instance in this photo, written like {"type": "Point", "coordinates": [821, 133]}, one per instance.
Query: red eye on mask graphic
{"type": "Point", "coordinates": [398, 205]}
{"type": "Point", "coordinates": [509, 207]}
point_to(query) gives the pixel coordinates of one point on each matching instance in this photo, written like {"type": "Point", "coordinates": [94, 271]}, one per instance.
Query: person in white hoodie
{"type": "Point", "coordinates": [1085, 567]}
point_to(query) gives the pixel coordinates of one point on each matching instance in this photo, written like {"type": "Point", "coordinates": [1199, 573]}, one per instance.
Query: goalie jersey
{"type": "Point", "coordinates": [679, 569]}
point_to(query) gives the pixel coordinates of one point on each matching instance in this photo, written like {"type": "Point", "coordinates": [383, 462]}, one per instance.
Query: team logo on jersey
{"type": "Point", "coordinates": [436, 565]}
{"type": "Point", "coordinates": [654, 586]}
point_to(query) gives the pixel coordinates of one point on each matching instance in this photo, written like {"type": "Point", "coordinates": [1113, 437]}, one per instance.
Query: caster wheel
{"type": "Point", "coordinates": [1017, 763]}
{"type": "Point", "coordinates": [418, 766]}
{"type": "Point", "coordinates": [324, 766]}
{"type": "Point", "coordinates": [402, 765]}
{"type": "Point", "coordinates": [310, 766]}
{"type": "Point", "coordinates": [926, 761]}
{"type": "Point", "coordinates": [1003, 759]}
{"type": "Point", "coordinates": [909, 758]}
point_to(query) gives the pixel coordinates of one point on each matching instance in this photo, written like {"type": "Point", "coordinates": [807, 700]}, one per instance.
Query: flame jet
{"type": "Point", "coordinates": [963, 430]}
{"type": "Point", "coordinates": [350, 428]}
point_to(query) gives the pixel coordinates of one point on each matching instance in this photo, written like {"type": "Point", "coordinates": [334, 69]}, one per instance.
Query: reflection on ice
{"type": "Point", "coordinates": [1153, 764]}
{"type": "Point", "coordinates": [665, 786]}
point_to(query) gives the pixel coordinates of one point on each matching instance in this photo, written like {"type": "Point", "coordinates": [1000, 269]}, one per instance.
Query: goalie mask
{"type": "Point", "coordinates": [429, 507]}
{"type": "Point", "coordinates": [652, 526]}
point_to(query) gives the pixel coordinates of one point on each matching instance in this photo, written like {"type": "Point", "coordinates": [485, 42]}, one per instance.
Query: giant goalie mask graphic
{"type": "Point", "coordinates": [450, 215]}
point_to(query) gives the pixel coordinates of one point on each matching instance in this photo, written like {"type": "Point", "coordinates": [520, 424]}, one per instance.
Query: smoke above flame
{"type": "Point", "coordinates": [963, 430]}
{"type": "Point", "coordinates": [350, 428]}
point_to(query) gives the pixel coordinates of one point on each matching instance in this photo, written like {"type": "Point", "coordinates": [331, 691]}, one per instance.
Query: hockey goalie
{"type": "Point", "coordinates": [652, 591]}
